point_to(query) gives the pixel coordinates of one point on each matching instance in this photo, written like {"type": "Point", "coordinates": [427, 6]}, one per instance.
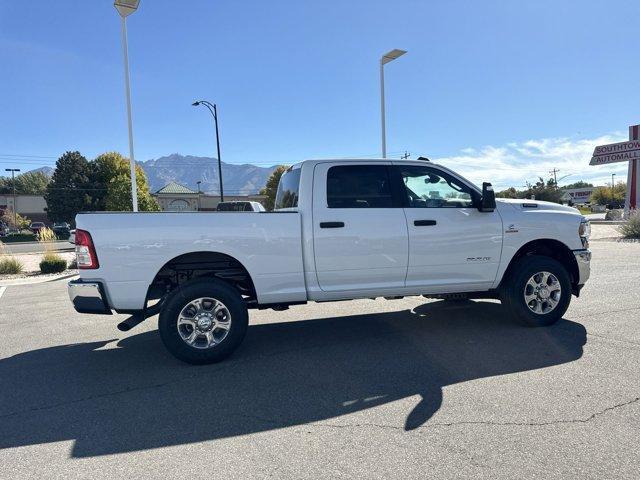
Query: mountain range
{"type": "Point", "coordinates": [187, 170]}
{"type": "Point", "coordinates": [243, 179]}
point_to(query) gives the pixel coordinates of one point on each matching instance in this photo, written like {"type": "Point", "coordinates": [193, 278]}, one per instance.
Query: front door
{"type": "Point", "coordinates": [452, 245]}
{"type": "Point", "coordinates": [359, 230]}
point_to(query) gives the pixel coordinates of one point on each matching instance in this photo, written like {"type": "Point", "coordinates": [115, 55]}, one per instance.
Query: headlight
{"type": "Point", "coordinates": [585, 229]}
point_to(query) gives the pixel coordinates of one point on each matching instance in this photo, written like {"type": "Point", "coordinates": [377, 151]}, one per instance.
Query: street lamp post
{"type": "Point", "coordinates": [13, 182]}
{"type": "Point", "coordinates": [126, 8]}
{"type": "Point", "coordinates": [213, 109]}
{"type": "Point", "coordinates": [386, 58]}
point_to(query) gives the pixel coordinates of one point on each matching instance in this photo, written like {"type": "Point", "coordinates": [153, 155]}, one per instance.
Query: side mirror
{"type": "Point", "coordinates": [488, 200]}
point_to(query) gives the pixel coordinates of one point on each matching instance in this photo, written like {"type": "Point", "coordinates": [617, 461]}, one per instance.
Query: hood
{"type": "Point", "coordinates": [524, 204]}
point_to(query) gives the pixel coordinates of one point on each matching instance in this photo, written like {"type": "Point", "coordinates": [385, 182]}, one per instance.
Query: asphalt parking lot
{"type": "Point", "coordinates": [361, 389]}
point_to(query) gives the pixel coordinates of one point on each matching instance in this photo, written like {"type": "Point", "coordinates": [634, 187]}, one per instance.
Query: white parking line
{"type": "Point", "coordinates": [2, 289]}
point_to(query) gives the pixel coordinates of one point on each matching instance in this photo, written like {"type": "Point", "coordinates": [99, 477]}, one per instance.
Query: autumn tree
{"type": "Point", "coordinates": [111, 173]}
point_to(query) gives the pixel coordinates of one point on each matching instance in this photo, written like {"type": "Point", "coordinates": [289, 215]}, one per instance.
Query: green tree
{"type": "Point", "coordinates": [271, 187]}
{"type": "Point", "coordinates": [607, 196]}
{"type": "Point", "coordinates": [510, 192]}
{"type": "Point", "coordinates": [69, 192]}
{"type": "Point", "coordinates": [112, 175]}
{"type": "Point", "coordinates": [29, 183]}
{"type": "Point", "coordinates": [579, 184]}
{"type": "Point", "coordinates": [547, 192]}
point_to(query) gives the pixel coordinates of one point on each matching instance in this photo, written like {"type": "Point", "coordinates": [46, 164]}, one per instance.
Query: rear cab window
{"type": "Point", "coordinates": [288, 189]}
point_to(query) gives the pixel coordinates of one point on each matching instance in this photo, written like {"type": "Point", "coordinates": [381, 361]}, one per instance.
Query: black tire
{"type": "Point", "coordinates": [168, 321]}
{"type": "Point", "coordinates": [512, 294]}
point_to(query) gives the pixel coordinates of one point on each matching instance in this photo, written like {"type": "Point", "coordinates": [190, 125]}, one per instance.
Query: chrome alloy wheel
{"type": "Point", "coordinates": [542, 292]}
{"type": "Point", "coordinates": [204, 322]}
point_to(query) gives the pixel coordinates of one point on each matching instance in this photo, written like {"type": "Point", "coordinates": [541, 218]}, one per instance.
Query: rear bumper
{"type": "Point", "coordinates": [583, 259]}
{"type": "Point", "coordinates": [88, 297]}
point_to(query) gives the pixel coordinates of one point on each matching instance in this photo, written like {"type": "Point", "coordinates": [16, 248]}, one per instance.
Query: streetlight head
{"type": "Point", "coordinates": [126, 7]}
{"type": "Point", "coordinates": [392, 55]}
{"type": "Point", "coordinates": [195, 104]}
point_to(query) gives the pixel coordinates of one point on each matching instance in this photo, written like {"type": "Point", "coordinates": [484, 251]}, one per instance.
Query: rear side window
{"type": "Point", "coordinates": [287, 194]}
{"type": "Point", "coordinates": [359, 186]}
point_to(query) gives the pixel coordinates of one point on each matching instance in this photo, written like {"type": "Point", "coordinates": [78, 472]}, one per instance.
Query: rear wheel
{"type": "Point", "coordinates": [203, 322]}
{"type": "Point", "coordinates": [537, 292]}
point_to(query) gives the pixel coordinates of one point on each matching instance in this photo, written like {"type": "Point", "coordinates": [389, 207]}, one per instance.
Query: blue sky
{"type": "Point", "coordinates": [503, 90]}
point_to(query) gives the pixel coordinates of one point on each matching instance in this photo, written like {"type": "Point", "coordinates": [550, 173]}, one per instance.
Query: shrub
{"type": "Point", "coordinates": [52, 263]}
{"type": "Point", "coordinates": [10, 265]}
{"type": "Point", "coordinates": [73, 264]}
{"type": "Point", "coordinates": [631, 229]}
{"type": "Point", "coordinates": [19, 237]}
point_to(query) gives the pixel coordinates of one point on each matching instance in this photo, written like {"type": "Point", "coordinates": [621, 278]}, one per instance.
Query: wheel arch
{"type": "Point", "coordinates": [201, 265]}
{"type": "Point", "coordinates": [546, 247]}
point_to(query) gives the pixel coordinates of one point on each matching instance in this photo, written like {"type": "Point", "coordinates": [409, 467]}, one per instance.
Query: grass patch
{"type": "Point", "coordinates": [10, 265]}
{"type": "Point", "coordinates": [631, 229]}
{"type": "Point", "coordinates": [584, 210]}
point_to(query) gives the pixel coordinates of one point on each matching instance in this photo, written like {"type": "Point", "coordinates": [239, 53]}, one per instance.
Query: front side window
{"type": "Point", "coordinates": [287, 194]}
{"type": "Point", "coordinates": [430, 188]}
{"type": "Point", "coordinates": [359, 186]}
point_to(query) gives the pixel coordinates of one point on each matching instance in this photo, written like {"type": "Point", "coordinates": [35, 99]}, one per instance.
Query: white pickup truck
{"type": "Point", "coordinates": [341, 229]}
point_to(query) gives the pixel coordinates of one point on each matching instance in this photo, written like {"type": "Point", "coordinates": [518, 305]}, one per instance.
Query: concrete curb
{"type": "Point", "coordinates": [9, 254]}
{"type": "Point", "coordinates": [35, 280]}
{"type": "Point", "coordinates": [607, 222]}
{"type": "Point", "coordinates": [32, 243]}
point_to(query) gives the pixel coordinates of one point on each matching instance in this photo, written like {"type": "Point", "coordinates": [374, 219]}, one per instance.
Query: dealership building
{"type": "Point", "coordinates": [577, 196]}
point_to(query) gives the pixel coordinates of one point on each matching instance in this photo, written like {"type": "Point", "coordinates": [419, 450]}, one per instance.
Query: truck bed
{"type": "Point", "coordinates": [133, 247]}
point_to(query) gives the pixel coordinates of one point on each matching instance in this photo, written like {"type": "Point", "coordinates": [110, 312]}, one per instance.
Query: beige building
{"type": "Point", "coordinates": [174, 197]}
{"type": "Point", "coordinates": [33, 207]}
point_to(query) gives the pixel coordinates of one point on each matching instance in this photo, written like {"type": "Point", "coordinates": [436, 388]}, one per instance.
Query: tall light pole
{"type": "Point", "coordinates": [612, 182]}
{"type": "Point", "coordinates": [386, 58]}
{"type": "Point", "coordinates": [126, 8]}
{"type": "Point", "coordinates": [214, 111]}
{"type": "Point", "coordinates": [13, 182]}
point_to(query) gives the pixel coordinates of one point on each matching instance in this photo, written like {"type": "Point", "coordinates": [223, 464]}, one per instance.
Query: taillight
{"type": "Point", "coordinates": [85, 251]}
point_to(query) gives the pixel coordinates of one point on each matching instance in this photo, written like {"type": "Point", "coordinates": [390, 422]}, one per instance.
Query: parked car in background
{"type": "Point", "coordinates": [241, 206]}
{"type": "Point", "coordinates": [72, 236]}
{"type": "Point", "coordinates": [341, 229]}
{"type": "Point", "coordinates": [4, 229]}
{"type": "Point", "coordinates": [35, 227]}
{"type": "Point", "coordinates": [62, 230]}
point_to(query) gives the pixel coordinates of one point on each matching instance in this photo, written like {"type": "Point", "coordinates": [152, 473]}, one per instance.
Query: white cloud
{"type": "Point", "coordinates": [513, 164]}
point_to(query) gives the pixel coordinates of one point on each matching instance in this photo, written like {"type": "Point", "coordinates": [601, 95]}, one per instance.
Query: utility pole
{"type": "Point", "coordinates": [13, 182]}
{"type": "Point", "coordinates": [406, 155]}
{"type": "Point", "coordinates": [555, 178]}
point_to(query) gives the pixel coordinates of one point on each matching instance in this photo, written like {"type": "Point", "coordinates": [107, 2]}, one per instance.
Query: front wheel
{"type": "Point", "coordinates": [538, 291]}
{"type": "Point", "coordinates": [203, 322]}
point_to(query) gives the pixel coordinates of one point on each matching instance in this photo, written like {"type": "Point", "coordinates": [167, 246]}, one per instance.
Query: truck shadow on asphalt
{"type": "Point", "coordinates": [137, 397]}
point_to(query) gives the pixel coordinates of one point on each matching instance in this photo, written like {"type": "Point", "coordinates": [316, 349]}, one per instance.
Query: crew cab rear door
{"type": "Point", "coordinates": [359, 229]}
{"type": "Point", "coordinates": [452, 245]}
